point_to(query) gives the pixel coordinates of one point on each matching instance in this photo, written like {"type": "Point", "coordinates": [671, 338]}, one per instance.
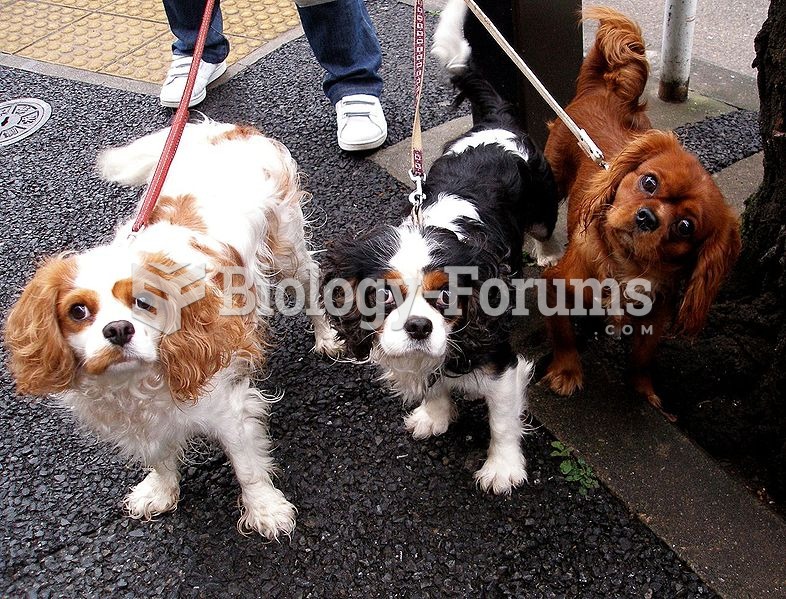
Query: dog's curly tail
{"type": "Point", "coordinates": [134, 163]}
{"type": "Point", "coordinates": [449, 47]}
{"type": "Point", "coordinates": [617, 60]}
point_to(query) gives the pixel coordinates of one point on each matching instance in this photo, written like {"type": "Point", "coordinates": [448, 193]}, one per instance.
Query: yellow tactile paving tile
{"type": "Point", "coordinates": [94, 42]}
{"type": "Point", "coordinates": [90, 5]}
{"type": "Point", "coordinates": [147, 63]}
{"type": "Point", "coordinates": [240, 47]}
{"type": "Point", "coordinates": [150, 10]}
{"type": "Point", "coordinates": [244, 18]}
{"type": "Point", "coordinates": [151, 61]}
{"type": "Point", "coordinates": [23, 23]}
{"type": "Point", "coordinates": [127, 38]}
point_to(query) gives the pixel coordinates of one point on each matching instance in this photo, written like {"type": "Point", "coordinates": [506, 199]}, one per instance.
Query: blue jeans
{"type": "Point", "coordinates": [339, 32]}
{"type": "Point", "coordinates": [184, 18]}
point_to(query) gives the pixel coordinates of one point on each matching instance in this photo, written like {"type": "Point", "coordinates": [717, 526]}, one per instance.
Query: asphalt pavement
{"type": "Point", "coordinates": [380, 515]}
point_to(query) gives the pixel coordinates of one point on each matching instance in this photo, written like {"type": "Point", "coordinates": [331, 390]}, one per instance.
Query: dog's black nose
{"type": "Point", "coordinates": [418, 327]}
{"type": "Point", "coordinates": [119, 332]}
{"type": "Point", "coordinates": [646, 219]}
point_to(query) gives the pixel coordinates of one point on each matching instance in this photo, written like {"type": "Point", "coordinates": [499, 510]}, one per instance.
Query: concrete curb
{"type": "Point", "coordinates": [709, 519]}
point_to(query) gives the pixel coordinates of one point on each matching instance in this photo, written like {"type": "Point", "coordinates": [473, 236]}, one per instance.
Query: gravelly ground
{"type": "Point", "coordinates": [379, 514]}
{"type": "Point", "coordinates": [721, 141]}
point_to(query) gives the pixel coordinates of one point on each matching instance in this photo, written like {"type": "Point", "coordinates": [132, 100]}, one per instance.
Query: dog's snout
{"type": "Point", "coordinates": [119, 332]}
{"type": "Point", "coordinates": [418, 327]}
{"type": "Point", "coordinates": [646, 219]}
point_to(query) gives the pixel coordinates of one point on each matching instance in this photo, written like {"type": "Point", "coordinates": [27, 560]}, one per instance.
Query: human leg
{"type": "Point", "coordinates": [185, 18]}
{"type": "Point", "coordinates": [345, 44]}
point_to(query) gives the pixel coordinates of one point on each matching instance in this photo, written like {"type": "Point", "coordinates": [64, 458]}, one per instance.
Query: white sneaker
{"type": "Point", "coordinates": [361, 123]}
{"type": "Point", "coordinates": [177, 75]}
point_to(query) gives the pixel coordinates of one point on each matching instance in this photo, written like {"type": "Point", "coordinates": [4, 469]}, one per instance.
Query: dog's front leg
{"type": "Point", "coordinates": [646, 336]}
{"type": "Point", "coordinates": [433, 416]}
{"type": "Point", "coordinates": [564, 374]}
{"type": "Point", "coordinates": [506, 397]}
{"type": "Point", "coordinates": [159, 492]}
{"type": "Point", "coordinates": [264, 509]}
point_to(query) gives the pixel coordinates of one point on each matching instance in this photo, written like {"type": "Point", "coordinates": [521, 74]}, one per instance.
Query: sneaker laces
{"type": "Point", "coordinates": [348, 111]}
{"type": "Point", "coordinates": [179, 68]}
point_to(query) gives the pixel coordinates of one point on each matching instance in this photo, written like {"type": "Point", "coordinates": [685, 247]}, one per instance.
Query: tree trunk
{"type": "Point", "coordinates": [764, 225]}
{"type": "Point", "coordinates": [729, 386]}
{"type": "Point", "coordinates": [760, 277]}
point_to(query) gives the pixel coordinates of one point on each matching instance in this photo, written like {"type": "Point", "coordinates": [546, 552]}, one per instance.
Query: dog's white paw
{"type": "Point", "coordinates": [547, 259]}
{"type": "Point", "coordinates": [501, 473]}
{"type": "Point", "coordinates": [155, 495]}
{"type": "Point", "coordinates": [548, 253]}
{"type": "Point", "coordinates": [430, 419]}
{"type": "Point", "coordinates": [328, 344]}
{"type": "Point", "coordinates": [267, 512]}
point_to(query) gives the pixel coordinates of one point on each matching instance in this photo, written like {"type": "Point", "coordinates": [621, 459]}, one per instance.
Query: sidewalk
{"type": "Point", "coordinates": [379, 514]}
{"type": "Point", "coordinates": [127, 39]}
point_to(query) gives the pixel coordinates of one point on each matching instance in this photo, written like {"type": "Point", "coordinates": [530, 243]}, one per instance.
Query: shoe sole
{"type": "Point", "coordinates": [369, 145]}
{"type": "Point", "coordinates": [199, 97]}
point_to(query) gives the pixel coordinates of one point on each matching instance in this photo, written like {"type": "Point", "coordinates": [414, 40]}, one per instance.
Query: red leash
{"type": "Point", "coordinates": [178, 124]}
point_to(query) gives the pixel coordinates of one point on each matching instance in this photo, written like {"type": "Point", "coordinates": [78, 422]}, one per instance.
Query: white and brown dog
{"type": "Point", "coordinates": [151, 339]}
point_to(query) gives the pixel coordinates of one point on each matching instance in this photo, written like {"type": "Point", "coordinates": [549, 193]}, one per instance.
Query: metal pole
{"type": "Point", "coordinates": [679, 19]}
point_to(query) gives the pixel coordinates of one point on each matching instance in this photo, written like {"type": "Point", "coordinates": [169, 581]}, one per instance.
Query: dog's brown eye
{"type": "Point", "coordinates": [79, 312]}
{"type": "Point", "coordinates": [385, 296]}
{"type": "Point", "coordinates": [648, 183]}
{"type": "Point", "coordinates": [685, 227]}
{"type": "Point", "coordinates": [443, 299]}
{"type": "Point", "coordinates": [143, 304]}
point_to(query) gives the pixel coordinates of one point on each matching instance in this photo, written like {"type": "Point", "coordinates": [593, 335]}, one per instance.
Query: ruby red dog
{"type": "Point", "coordinates": [655, 214]}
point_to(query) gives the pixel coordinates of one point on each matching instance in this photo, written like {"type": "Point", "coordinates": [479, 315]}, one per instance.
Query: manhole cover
{"type": "Point", "coordinates": [21, 118]}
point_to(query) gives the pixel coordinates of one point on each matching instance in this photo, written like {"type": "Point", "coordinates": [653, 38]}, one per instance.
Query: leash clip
{"type": "Point", "coordinates": [592, 151]}
{"type": "Point", "coordinates": [416, 197]}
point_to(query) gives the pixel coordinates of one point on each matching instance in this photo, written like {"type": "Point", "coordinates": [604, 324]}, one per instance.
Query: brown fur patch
{"type": "Point", "coordinates": [124, 291]}
{"type": "Point", "coordinates": [85, 297]}
{"type": "Point", "coordinates": [206, 343]}
{"type": "Point", "coordinates": [105, 358]}
{"type": "Point", "coordinates": [227, 256]}
{"type": "Point", "coordinates": [41, 360]}
{"type": "Point", "coordinates": [207, 339]}
{"type": "Point", "coordinates": [239, 132]}
{"type": "Point", "coordinates": [394, 277]}
{"type": "Point", "coordinates": [434, 279]}
{"type": "Point", "coordinates": [180, 211]}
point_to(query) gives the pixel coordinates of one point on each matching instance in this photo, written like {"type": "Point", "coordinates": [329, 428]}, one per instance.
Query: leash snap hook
{"type": "Point", "coordinates": [416, 197]}
{"type": "Point", "coordinates": [592, 151]}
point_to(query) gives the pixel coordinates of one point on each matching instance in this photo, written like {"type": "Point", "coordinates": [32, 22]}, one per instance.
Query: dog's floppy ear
{"type": "Point", "coordinates": [205, 342]}
{"type": "Point", "coordinates": [41, 360]}
{"type": "Point", "coordinates": [603, 186]}
{"type": "Point", "coordinates": [480, 328]}
{"type": "Point", "coordinates": [340, 276]}
{"type": "Point", "coordinates": [200, 336]}
{"type": "Point", "coordinates": [716, 257]}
